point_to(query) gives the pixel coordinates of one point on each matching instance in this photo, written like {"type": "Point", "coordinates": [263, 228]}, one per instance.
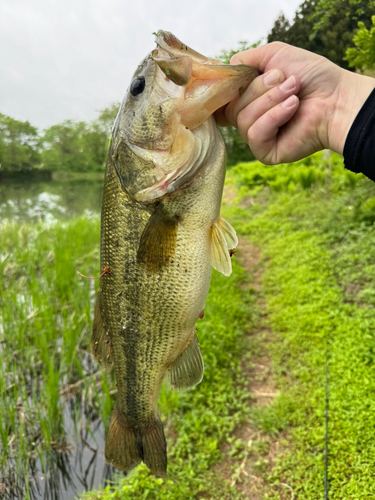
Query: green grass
{"type": "Point", "coordinates": [318, 244]}
{"type": "Point", "coordinates": [46, 311]}
{"type": "Point", "coordinates": [46, 314]}
{"type": "Point", "coordinates": [315, 225]}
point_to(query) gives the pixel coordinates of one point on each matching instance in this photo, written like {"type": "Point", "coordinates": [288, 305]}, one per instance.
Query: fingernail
{"type": "Point", "coordinates": [272, 78]}
{"type": "Point", "coordinates": [288, 85]}
{"type": "Point", "coordinates": [290, 102]}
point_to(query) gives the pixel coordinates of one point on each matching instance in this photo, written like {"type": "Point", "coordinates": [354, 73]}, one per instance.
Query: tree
{"type": "Point", "coordinates": [78, 146]}
{"type": "Point", "coordinates": [280, 29]}
{"type": "Point", "coordinates": [325, 27]}
{"type": "Point", "coordinates": [107, 118]}
{"type": "Point", "coordinates": [18, 145]}
{"type": "Point", "coordinates": [363, 55]}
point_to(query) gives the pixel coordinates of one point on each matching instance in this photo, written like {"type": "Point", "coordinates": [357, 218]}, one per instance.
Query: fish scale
{"type": "Point", "coordinates": [160, 238]}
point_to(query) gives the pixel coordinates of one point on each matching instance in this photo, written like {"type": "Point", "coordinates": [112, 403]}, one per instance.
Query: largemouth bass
{"type": "Point", "coordinates": [161, 234]}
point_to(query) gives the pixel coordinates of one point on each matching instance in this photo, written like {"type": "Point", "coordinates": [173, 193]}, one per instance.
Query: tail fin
{"type": "Point", "coordinates": [127, 446]}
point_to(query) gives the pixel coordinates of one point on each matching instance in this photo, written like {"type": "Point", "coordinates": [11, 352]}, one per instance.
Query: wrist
{"type": "Point", "coordinates": [351, 93]}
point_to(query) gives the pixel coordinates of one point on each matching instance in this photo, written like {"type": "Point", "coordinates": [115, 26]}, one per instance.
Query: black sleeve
{"type": "Point", "coordinates": [359, 149]}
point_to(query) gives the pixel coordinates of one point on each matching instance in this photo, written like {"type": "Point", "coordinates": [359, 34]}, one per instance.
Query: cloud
{"type": "Point", "coordinates": [67, 60]}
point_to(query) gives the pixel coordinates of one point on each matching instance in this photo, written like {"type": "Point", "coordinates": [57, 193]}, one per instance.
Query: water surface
{"type": "Point", "coordinates": [65, 473]}
{"type": "Point", "coordinates": [24, 200]}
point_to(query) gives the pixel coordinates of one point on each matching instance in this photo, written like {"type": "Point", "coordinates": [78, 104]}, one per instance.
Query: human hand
{"type": "Point", "coordinates": [300, 104]}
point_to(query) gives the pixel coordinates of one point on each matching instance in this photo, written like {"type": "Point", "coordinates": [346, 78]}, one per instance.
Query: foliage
{"type": "Point", "coordinates": [226, 55]}
{"type": "Point", "coordinates": [318, 252]}
{"type": "Point", "coordinates": [46, 311]}
{"type": "Point", "coordinates": [18, 150]}
{"type": "Point", "coordinates": [317, 170]}
{"type": "Point", "coordinates": [78, 146]}
{"type": "Point", "coordinates": [363, 56]}
{"type": "Point", "coordinates": [315, 224]}
{"type": "Point", "coordinates": [67, 147]}
{"type": "Point", "coordinates": [325, 27]}
{"type": "Point", "coordinates": [237, 149]}
{"type": "Point", "coordinates": [45, 319]}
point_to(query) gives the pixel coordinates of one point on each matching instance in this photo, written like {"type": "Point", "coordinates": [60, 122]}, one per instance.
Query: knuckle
{"type": "Point", "coordinates": [271, 117]}
{"type": "Point", "coordinates": [278, 45]}
{"type": "Point", "coordinates": [270, 98]}
{"type": "Point", "coordinates": [242, 118]}
{"type": "Point", "coordinates": [252, 136]}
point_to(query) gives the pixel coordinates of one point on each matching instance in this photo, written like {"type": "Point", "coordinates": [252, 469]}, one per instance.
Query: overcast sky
{"type": "Point", "coordinates": [67, 59]}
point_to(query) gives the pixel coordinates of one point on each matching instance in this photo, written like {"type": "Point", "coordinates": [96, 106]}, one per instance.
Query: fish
{"type": "Point", "coordinates": [161, 235]}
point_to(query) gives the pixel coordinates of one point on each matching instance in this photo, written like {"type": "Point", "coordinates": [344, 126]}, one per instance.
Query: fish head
{"type": "Point", "coordinates": [161, 136]}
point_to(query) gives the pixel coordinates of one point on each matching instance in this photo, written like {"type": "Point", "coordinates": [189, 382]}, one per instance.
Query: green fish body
{"type": "Point", "coordinates": [161, 234]}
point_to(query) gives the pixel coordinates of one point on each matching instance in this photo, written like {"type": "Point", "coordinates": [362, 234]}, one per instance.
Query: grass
{"type": "Point", "coordinates": [315, 225]}
{"type": "Point", "coordinates": [318, 245]}
{"type": "Point", "coordinates": [46, 314]}
{"type": "Point", "coordinates": [46, 311]}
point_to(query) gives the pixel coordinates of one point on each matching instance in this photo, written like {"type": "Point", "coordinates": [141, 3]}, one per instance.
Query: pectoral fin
{"type": "Point", "coordinates": [223, 238]}
{"type": "Point", "coordinates": [187, 370]}
{"type": "Point", "coordinates": [99, 345]}
{"type": "Point", "coordinates": [158, 241]}
{"type": "Point", "coordinates": [228, 232]}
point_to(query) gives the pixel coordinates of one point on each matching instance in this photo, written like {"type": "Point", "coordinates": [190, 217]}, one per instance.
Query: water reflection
{"type": "Point", "coordinates": [49, 200]}
{"type": "Point", "coordinates": [61, 474]}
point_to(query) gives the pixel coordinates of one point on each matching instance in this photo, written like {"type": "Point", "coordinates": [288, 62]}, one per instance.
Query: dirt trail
{"type": "Point", "coordinates": [247, 474]}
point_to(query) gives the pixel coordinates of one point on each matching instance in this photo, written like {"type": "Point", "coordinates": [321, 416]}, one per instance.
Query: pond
{"type": "Point", "coordinates": [60, 474]}
{"type": "Point", "coordinates": [24, 200]}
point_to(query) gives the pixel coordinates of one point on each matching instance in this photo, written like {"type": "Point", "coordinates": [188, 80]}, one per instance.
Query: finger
{"type": "Point", "coordinates": [251, 113]}
{"type": "Point", "coordinates": [262, 136]}
{"type": "Point", "coordinates": [257, 88]}
{"type": "Point", "coordinates": [260, 56]}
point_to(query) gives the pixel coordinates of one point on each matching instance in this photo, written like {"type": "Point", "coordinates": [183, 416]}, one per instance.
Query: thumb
{"type": "Point", "coordinates": [258, 57]}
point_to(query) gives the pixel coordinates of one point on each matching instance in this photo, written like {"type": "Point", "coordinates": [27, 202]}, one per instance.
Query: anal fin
{"type": "Point", "coordinates": [187, 370]}
{"type": "Point", "coordinates": [223, 238]}
{"type": "Point", "coordinates": [100, 346]}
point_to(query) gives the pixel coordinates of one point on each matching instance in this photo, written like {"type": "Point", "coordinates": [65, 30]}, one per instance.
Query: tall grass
{"type": "Point", "coordinates": [46, 313]}
{"type": "Point", "coordinates": [45, 322]}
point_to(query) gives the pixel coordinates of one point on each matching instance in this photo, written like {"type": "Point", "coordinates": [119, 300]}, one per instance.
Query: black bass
{"type": "Point", "coordinates": [161, 234]}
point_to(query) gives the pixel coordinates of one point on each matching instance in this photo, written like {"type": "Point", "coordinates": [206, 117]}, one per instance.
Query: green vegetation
{"type": "Point", "coordinates": [314, 222]}
{"type": "Point", "coordinates": [46, 312]}
{"type": "Point", "coordinates": [45, 317]}
{"type": "Point", "coordinates": [18, 145]}
{"type": "Point", "coordinates": [67, 147]}
{"type": "Point", "coordinates": [363, 55]}
{"type": "Point", "coordinates": [317, 236]}
{"type": "Point", "coordinates": [198, 422]}
{"type": "Point", "coordinates": [326, 27]}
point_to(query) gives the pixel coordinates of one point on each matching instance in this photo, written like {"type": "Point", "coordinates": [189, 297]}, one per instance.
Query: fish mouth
{"type": "Point", "coordinates": [207, 85]}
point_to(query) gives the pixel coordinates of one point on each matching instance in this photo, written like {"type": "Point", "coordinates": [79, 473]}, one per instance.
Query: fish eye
{"type": "Point", "coordinates": [137, 86]}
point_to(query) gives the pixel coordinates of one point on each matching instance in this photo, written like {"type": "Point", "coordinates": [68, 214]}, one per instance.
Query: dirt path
{"type": "Point", "coordinates": [248, 473]}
